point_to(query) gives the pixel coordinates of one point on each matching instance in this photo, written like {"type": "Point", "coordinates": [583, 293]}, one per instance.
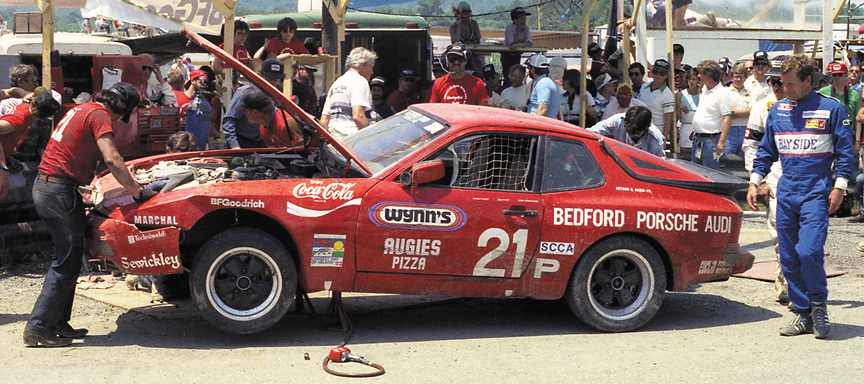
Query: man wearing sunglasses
{"type": "Point", "coordinates": [756, 84]}
{"type": "Point", "coordinates": [156, 89]}
{"type": "Point", "coordinates": [458, 86]}
{"type": "Point", "coordinates": [768, 188]}
{"type": "Point", "coordinates": [840, 91]}
{"type": "Point", "coordinates": [658, 97]}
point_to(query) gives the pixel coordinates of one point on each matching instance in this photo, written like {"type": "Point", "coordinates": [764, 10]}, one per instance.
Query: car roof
{"type": "Point", "coordinates": [461, 116]}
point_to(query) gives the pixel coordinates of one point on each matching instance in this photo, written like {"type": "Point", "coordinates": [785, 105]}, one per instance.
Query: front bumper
{"type": "Point", "coordinates": [155, 252]}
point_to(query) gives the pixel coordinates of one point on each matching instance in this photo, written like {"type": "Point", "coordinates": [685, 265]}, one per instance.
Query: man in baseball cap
{"type": "Point", "coordinates": [839, 90]}
{"type": "Point", "coordinates": [544, 98]}
{"type": "Point", "coordinates": [380, 109]}
{"type": "Point", "coordinates": [197, 82]}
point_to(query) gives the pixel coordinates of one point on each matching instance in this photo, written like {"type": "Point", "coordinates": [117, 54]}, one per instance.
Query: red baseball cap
{"type": "Point", "coordinates": [837, 68]}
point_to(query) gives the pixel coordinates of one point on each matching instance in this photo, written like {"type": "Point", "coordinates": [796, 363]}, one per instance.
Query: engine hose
{"type": "Point", "coordinates": [379, 370]}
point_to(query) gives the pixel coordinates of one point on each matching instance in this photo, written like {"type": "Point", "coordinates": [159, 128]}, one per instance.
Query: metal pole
{"type": "Point", "coordinates": [583, 88]}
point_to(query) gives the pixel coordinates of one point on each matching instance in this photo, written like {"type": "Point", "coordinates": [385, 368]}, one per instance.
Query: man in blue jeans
{"type": "Point", "coordinates": [82, 138]}
{"type": "Point", "coordinates": [712, 119]}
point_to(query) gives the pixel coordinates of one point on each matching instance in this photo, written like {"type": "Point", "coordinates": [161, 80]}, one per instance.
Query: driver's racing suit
{"type": "Point", "coordinates": [807, 135]}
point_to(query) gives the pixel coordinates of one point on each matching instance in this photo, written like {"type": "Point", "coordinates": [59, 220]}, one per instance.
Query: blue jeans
{"type": "Point", "coordinates": [859, 188]}
{"type": "Point", "coordinates": [704, 148]}
{"type": "Point", "coordinates": [734, 140]}
{"type": "Point", "coordinates": [61, 208]}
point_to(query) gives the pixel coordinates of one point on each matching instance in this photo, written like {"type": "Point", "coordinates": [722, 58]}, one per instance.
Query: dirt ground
{"type": "Point", "coordinates": [712, 333]}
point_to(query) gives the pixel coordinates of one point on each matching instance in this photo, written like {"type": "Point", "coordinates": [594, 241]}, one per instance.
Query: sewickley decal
{"type": "Point", "coordinates": [429, 217]}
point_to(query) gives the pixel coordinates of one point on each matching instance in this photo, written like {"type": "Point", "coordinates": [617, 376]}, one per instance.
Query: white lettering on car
{"type": "Point", "coordinates": [412, 247]}
{"type": "Point", "coordinates": [409, 263]}
{"type": "Point", "coordinates": [151, 262]}
{"type": "Point", "coordinates": [248, 203]}
{"type": "Point", "coordinates": [546, 265]}
{"type": "Point", "coordinates": [588, 217]}
{"type": "Point", "coordinates": [679, 222]}
{"type": "Point", "coordinates": [154, 220]}
{"type": "Point", "coordinates": [520, 238]}
{"type": "Point", "coordinates": [319, 191]}
{"type": "Point", "coordinates": [147, 236]}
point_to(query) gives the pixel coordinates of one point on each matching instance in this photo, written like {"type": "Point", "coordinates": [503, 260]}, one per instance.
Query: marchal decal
{"type": "Point", "coordinates": [430, 217]}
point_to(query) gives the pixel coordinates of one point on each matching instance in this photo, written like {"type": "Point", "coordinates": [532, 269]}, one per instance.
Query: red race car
{"type": "Point", "coordinates": [444, 200]}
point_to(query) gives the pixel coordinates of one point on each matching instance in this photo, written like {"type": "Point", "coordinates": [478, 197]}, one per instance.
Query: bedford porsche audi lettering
{"type": "Point", "coordinates": [386, 210]}
{"type": "Point", "coordinates": [417, 216]}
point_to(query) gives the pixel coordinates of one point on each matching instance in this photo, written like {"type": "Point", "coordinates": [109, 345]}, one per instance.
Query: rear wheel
{"type": "Point", "coordinates": [617, 285]}
{"type": "Point", "coordinates": [243, 280]}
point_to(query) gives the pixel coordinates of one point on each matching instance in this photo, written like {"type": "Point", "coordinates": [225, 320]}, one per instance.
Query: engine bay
{"type": "Point", "coordinates": [188, 173]}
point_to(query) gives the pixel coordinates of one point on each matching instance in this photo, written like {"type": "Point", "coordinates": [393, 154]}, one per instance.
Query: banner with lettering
{"type": "Point", "coordinates": [198, 15]}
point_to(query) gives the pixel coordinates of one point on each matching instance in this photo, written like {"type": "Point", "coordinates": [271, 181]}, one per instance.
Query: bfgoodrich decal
{"type": "Point", "coordinates": [430, 217]}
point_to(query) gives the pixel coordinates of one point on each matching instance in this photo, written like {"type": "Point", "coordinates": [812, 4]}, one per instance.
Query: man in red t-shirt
{"type": "Point", "coordinates": [14, 127]}
{"type": "Point", "coordinates": [197, 82]}
{"type": "Point", "coordinates": [241, 32]}
{"type": "Point", "coordinates": [458, 87]}
{"type": "Point", "coordinates": [284, 42]}
{"type": "Point", "coordinates": [283, 131]}
{"type": "Point", "coordinates": [82, 138]}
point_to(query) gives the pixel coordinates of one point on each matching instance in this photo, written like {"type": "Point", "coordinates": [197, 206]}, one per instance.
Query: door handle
{"type": "Point", "coordinates": [520, 212]}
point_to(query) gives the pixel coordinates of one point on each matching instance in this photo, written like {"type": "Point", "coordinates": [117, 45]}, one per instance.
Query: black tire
{"type": "Point", "coordinates": [617, 285]}
{"type": "Point", "coordinates": [243, 280]}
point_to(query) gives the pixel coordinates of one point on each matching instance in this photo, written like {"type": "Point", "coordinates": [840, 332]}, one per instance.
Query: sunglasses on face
{"type": "Point", "coordinates": [456, 59]}
{"type": "Point", "coordinates": [635, 74]}
{"type": "Point", "coordinates": [750, 68]}
{"type": "Point", "coordinates": [146, 68]}
{"type": "Point", "coordinates": [775, 82]}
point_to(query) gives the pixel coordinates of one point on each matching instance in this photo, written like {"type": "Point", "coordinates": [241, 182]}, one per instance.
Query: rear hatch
{"type": "Point", "coordinates": [677, 173]}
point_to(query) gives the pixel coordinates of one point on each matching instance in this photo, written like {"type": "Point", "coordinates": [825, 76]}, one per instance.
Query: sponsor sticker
{"type": "Point", "coordinates": [769, 104]}
{"type": "Point", "coordinates": [847, 122]}
{"type": "Point", "coordinates": [784, 107]}
{"type": "Point", "coordinates": [147, 236]}
{"type": "Point", "coordinates": [430, 217]}
{"type": "Point", "coordinates": [328, 250]}
{"type": "Point", "coordinates": [817, 114]}
{"type": "Point", "coordinates": [248, 203]}
{"type": "Point", "coordinates": [154, 220]}
{"type": "Point", "coordinates": [556, 248]}
{"type": "Point", "coordinates": [317, 190]}
{"type": "Point", "coordinates": [814, 124]}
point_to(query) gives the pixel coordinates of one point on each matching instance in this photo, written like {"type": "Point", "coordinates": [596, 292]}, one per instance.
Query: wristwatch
{"type": "Point", "coordinates": [4, 168]}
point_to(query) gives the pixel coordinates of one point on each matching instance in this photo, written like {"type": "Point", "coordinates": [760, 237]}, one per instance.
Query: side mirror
{"type": "Point", "coordinates": [427, 172]}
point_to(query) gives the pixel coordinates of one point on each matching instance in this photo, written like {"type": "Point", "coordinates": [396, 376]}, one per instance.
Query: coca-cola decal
{"type": "Point", "coordinates": [317, 190]}
{"type": "Point", "coordinates": [430, 217]}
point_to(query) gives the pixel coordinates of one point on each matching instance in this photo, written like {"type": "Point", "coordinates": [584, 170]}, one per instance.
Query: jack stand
{"type": "Point", "coordinates": [335, 306]}
{"type": "Point", "coordinates": [301, 300]}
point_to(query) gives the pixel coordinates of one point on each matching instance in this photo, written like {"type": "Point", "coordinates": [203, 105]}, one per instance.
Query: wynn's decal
{"type": "Point", "coordinates": [297, 210]}
{"type": "Point", "coordinates": [431, 217]}
{"type": "Point", "coordinates": [317, 190]}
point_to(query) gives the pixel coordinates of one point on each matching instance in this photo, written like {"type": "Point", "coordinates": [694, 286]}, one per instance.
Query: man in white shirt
{"type": "Point", "coordinates": [739, 96]}
{"type": "Point", "coordinates": [349, 97]}
{"type": "Point", "coordinates": [757, 84]}
{"type": "Point", "coordinates": [712, 119]}
{"type": "Point", "coordinates": [517, 93]}
{"type": "Point", "coordinates": [622, 101]}
{"type": "Point", "coordinates": [659, 99]}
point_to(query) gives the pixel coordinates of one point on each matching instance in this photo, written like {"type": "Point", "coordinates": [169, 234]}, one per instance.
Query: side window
{"type": "Point", "coordinates": [494, 161]}
{"type": "Point", "coordinates": [569, 165]}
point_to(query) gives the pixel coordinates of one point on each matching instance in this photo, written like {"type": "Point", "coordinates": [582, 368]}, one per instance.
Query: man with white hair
{"type": "Point", "coordinates": [349, 97]}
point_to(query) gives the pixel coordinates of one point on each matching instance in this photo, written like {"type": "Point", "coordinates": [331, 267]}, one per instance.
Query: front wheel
{"type": "Point", "coordinates": [617, 285]}
{"type": "Point", "coordinates": [243, 280]}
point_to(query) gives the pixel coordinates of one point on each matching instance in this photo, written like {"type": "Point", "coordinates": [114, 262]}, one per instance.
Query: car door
{"type": "Point", "coordinates": [482, 219]}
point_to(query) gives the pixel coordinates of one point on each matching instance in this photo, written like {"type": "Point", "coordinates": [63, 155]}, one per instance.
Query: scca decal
{"type": "Point", "coordinates": [430, 217]}
{"type": "Point", "coordinates": [555, 248]}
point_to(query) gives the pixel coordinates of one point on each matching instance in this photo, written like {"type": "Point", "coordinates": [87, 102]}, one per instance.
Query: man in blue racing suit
{"type": "Point", "coordinates": [807, 132]}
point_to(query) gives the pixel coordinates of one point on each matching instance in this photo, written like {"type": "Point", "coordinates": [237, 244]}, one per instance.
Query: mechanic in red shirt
{"type": "Point", "coordinates": [458, 86]}
{"type": "Point", "coordinates": [278, 128]}
{"type": "Point", "coordinates": [81, 139]}
{"type": "Point", "coordinates": [284, 42]}
{"type": "Point", "coordinates": [14, 127]}
{"type": "Point", "coordinates": [197, 82]}
{"type": "Point", "coordinates": [241, 32]}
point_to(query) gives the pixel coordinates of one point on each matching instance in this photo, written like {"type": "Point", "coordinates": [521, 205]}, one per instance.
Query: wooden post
{"type": "Point", "coordinates": [673, 130]}
{"type": "Point", "coordinates": [583, 88]}
{"type": "Point", "coordinates": [227, 9]}
{"type": "Point", "coordinates": [47, 8]}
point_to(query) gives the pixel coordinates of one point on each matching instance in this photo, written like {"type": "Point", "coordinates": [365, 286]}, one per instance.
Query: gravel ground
{"type": "Point", "coordinates": [712, 333]}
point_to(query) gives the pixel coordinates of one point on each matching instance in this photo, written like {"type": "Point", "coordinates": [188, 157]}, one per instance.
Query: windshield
{"type": "Point", "coordinates": [390, 140]}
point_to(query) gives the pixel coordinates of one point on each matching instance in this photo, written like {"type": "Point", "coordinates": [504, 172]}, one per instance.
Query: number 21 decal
{"type": "Point", "coordinates": [520, 238]}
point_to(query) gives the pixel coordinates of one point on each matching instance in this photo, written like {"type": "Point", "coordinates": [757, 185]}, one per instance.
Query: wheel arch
{"type": "Point", "coordinates": [223, 219]}
{"type": "Point", "coordinates": [661, 251]}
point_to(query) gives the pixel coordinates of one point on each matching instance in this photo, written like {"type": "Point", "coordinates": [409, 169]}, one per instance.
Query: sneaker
{"type": "Point", "coordinates": [857, 219]}
{"type": "Point", "coordinates": [132, 282]}
{"type": "Point", "coordinates": [821, 325]}
{"type": "Point", "coordinates": [801, 324]}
